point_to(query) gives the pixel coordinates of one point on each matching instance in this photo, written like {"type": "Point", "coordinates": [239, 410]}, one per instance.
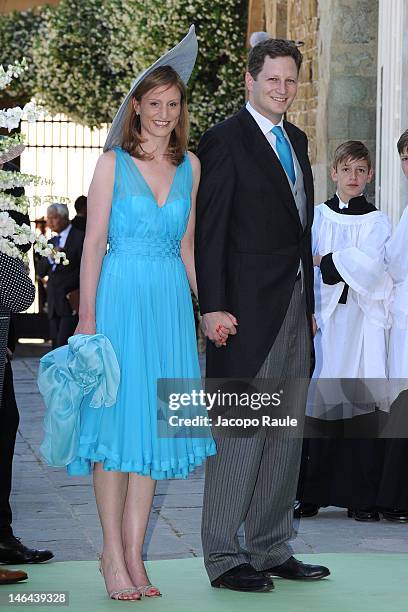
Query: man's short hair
{"type": "Point", "coordinates": [352, 149]}
{"type": "Point", "coordinates": [80, 204]}
{"type": "Point", "coordinates": [59, 209]}
{"type": "Point", "coordinates": [272, 47]}
{"type": "Point", "coordinates": [402, 144]}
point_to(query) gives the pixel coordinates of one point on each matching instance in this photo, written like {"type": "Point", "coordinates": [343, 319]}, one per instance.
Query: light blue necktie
{"type": "Point", "coordinates": [284, 152]}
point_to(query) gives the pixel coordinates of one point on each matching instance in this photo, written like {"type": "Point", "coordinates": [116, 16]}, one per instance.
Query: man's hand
{"type": "Point", "coordinates": [316, 260]}
{"type": "Point", "coordinates": [217, 326]}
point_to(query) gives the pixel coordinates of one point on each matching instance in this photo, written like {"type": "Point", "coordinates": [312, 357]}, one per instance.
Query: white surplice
{"type": "Point", "coordinates": [351, 340]}
{"type": "Point", "coordinates": [397, 261]}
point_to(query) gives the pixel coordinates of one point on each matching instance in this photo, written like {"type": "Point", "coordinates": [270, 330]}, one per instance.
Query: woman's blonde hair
{"type": "Point", "coordinates": [132, 140]}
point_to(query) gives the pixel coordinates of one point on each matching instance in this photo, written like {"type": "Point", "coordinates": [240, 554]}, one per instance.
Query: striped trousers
{"type": "Point", "coordinates": [252, 481]}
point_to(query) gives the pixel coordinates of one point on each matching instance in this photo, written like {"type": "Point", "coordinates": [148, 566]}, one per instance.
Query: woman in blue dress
{"type": "Point", "coordinates": [142, 204]}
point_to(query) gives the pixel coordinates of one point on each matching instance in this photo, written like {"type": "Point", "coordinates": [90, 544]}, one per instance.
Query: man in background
{"type": "Point", "coordinates": [79, 221]}
{"type": "Point", "coordinates": [63, 281]}
{"type": "Point", "coordinates": [16, 295]}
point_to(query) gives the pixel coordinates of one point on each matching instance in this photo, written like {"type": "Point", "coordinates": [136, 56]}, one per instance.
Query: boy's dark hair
{"type": "Point", "coordinates": [352, 149]}
{"type": "Point", "coordinates": [402, 144]}
{"type": "Point", "coordinates": [272, 47]}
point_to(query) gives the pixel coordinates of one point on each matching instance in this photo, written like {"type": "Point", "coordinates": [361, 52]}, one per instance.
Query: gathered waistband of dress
{"type": "Point", "coordinates": [160, 248]}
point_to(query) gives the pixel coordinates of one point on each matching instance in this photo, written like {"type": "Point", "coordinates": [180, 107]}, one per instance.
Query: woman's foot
{"type": "Point", "coordinates": [137, 572]}
{"type": "Point", "coordinates": [117, 579]}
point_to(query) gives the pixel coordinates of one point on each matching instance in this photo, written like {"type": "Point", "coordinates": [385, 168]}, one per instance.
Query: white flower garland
{"type": "Point", "coordinates": [10, 180]}
{"type": "Point", "coordinates": [10, 202]}
{"type": "Point", "coordinates": [13, 234]}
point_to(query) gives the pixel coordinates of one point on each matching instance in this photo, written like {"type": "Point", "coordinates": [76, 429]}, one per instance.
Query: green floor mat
{"type": "Point", "coordinates": [358, 583]}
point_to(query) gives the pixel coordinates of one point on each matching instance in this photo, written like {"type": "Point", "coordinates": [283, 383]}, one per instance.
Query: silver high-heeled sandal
{"type": "Point", "coordinates": [117, 595]}
{"type": "Point", "coordinates": [145, 588]}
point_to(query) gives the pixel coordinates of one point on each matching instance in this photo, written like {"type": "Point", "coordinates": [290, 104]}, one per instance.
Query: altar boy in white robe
{"type": "Point", "coordinates": [397, 260]}
{"type": "Point", "coordinates": [352, 293]}
{"type": "Point", "coordinates": [393, 492]}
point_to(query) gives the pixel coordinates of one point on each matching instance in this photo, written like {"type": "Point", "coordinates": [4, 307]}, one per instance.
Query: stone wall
{"type": "Point", "coordinates": [302, 26]}
{"type": "Point", "coordinates": [337, 90]}
{"type": "Point", "coordinates": [352, 88]}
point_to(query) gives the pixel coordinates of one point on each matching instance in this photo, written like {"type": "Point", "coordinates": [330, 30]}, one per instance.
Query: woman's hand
{"type": "Point", "coordinates": [86, 325]}
{"type": "Point", "coordinates": [314, 326]}
{"type": "Point", "coordinates": [316, 260]}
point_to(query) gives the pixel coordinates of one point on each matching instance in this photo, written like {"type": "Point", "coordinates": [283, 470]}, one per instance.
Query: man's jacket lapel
{"type": "Point", "coordinates": [266, 158]}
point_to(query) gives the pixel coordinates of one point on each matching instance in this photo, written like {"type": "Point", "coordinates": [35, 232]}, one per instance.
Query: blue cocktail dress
{"type": "Point", "coordinates": [143, 306]}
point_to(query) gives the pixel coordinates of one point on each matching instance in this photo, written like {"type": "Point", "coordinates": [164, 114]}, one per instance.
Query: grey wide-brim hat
{"type": "Point", "coordinates": [181, 58]}
{"type": "Point", "coordinates": [15, 150]}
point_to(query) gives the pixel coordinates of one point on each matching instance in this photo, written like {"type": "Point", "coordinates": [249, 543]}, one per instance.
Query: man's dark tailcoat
{"type": "Point", "coordinates": [249, 239]}
{"type": "Point", "coordinates": [249, 243]}
{"type": "Point", "coordinates": [61, 281]}
{"type": "Point", "coordinates": [65, 278]}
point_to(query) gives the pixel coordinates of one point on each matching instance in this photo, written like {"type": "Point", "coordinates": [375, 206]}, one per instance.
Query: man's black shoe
{"type": "Point", "coordinates": [13, 551]}
{"type": "Point", "coordinates": [293, 569]}
{"type": "Point", "coordinates": [396, 516]}
{"type": "Point", "coordinates": [244, 578]}
{"type": "Point", "coordinates": [303, 510]}
{"type": "Point", "coordinates": [365, 516]}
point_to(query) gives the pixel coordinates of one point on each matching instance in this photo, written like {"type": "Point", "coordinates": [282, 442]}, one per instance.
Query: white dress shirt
{"type": "Point", "coordinates": [266, 125]}
{"type": "Point", "coordinates": [344, 204]}
{"type": "Point", "coordinates": [64, 235]}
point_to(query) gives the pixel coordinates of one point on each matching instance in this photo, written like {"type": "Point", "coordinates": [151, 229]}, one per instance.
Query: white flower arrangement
{"type": "Point", "coordinates": [9, 202]}
{"type": "Point", "coordinates": [13, 72]}
{"type": "Point", "coordinates": [10, 117]}
{"type": "Point", "coordinates": [24, 203]}
{"type": "Point", "coordinates": [8, 142]}
{"type": "Point", "coordinates": [13, 234]}
{"type": "Point", "coordinates": [11, 180]}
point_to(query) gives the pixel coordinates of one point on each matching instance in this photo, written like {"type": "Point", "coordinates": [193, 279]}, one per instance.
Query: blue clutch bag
{"type": "Point", "coordinates": [86, 365]}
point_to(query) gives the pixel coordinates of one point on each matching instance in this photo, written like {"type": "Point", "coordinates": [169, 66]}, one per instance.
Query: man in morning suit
{"type": "Point", "coordinates": [62, 280]}
{"type": "Point", "coordinates": [12, 550]}
{"type": "Point", "coordinates": [255, 280]}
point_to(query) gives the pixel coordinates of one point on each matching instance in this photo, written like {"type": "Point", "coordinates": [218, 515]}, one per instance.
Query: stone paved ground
{"type": "Point", "coordinates": [56, 511]}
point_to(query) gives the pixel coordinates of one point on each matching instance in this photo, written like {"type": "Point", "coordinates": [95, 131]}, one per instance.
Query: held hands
{"type": "Point", "coordinates": [86, 325]}
{"type": "Point", "coordinates": [217, 326]}
{"type": "Point", "coordinates": [314, 326]}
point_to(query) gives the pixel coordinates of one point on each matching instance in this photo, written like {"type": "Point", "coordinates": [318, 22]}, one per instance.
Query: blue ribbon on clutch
{"type": "Point", "coordinates": [87, 364]}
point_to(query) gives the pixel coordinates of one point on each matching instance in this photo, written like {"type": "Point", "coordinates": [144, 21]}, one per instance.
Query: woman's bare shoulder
{"type": "Point", "coordinates": [107, 159]}
{"type": "Point", "coordinates": [105, 166]}
{"type": "Point", "coordinates": [194, 161]}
